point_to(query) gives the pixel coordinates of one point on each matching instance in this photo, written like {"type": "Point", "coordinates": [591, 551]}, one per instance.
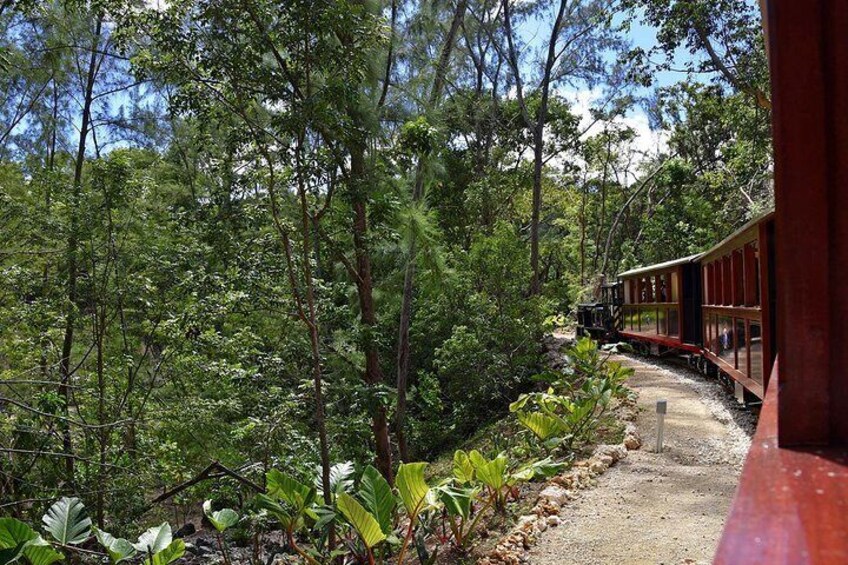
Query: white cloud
{"type": "Point", "coordinates": [647, 142]}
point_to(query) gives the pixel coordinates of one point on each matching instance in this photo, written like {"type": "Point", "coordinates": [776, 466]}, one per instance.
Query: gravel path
{"type": "Point", "coordinates": [664, 507]}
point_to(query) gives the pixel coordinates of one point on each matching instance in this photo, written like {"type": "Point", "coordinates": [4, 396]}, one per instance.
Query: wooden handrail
{"type": "Point", "coordinates": [791, 505]}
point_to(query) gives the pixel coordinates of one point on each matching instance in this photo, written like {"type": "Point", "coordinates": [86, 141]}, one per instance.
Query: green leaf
{"type": "Point", "coordinates": [519, 404]}
{"type": "Point", "coordinates": [362, 521]}
{"type": "Point", "coordinates": [171, 553]}
{"type": "Point", "coordinates": [412, 487]}
{"type": "Point", "coordinates": [11, 554]}
{"type": "Point", "coordinates": [288, 520]}
{"type": "Point", "coordinates": [14, 532]}
{"type": "Point", "coordinates": [463, 469]}
{"type": "Point", "coordinates": [66, 521]}
{"type": "Point", "coordinates": [341, 478]}
{"type": "Point", "coordinates": [377, 495]}
{"type": "Point", "coordinates": [288, 489]}
{"type": "Point", "coordinates": [220, 519]}
{"type": "Point", "coordinates": [154, 540]}
{"type": "Point", "coordinates": [542, 425]}
{"type": "Point", "coordinates": [18, 539]}
{"type": "Point", "coordinates": [118, 549]}
{"type": "Point", "coordinates": [39, 552]}
{"type": "Point", "coordinates": [457, 501]}
{"type": "Point", "coordinates": [491, 473]}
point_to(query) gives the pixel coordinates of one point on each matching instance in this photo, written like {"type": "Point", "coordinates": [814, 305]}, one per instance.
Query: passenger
{"type": "Point", "coordinates": [725, 338]}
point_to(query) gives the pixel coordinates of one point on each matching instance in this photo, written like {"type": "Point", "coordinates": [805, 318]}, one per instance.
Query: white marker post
{"type": "Point", "coordinates": [662, 408]}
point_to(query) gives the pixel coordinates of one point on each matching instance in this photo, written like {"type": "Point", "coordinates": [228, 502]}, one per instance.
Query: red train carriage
{"type": "Point", "coordinates": [737, 305]}
{"type": "Point", "coordinates": [661, 306]}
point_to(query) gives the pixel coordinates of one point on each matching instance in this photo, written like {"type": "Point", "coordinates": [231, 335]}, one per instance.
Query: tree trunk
{"type": "Point", "coordinates": [409, 275]}
{"type": "Point", "coordinates": [538, 145]}
{"type": "Point", "coordinates": [73, 244]}
{"type": "Point", "coordinates": [368, 316]}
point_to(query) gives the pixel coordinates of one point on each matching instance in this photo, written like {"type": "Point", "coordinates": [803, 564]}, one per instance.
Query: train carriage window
{"type": "Point", "coordinates": [751, 272]}
{"type": "Point", "coordinates": [708, 332]}
{"type": "Point", "coordinates": [755, 340]}
{"type": "Point", "coordinates": [662, 321]}
{"type": "Point", "coordinates": [741, 346]}
{"type": "Point", "coordinates": [662, 289]}
{"type": "Point", "coordinates": [716, 335]}
{"type": "Point", "coordinates": [727, 281]}
{"type": "Point", "coordinates": [648, 321]}
{"type": "Point", "coordinates": [675, 287]}
{"type": "Point", "coordinates": [673, 322]}
{"type": "Point", "coordinates": [707, 286]}
{"type": "Point", "coordinates": [717, 282]}
{"type": "Point", "coordinates": [725, 340]}
{"type": "Point", "coordinates": [738, 279]}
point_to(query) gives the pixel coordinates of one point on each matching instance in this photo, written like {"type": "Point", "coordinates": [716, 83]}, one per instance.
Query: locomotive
{"type": "Point", "coordinates": [716, 309]}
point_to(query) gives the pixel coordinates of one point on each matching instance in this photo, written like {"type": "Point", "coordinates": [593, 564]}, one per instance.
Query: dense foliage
{"type": "Point", "coordinates": [274, 234]}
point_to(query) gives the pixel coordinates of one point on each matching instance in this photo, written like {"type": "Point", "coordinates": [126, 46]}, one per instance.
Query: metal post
{"type": "Point", "coordinates": [662, 408]}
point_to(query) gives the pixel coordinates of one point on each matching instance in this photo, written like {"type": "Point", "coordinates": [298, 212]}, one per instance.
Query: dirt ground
{"type": "Point", "coordinates": [664, 507]}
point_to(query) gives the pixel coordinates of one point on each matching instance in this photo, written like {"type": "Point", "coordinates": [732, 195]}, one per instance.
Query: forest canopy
{"type": "Point", "coordinates": [297, 233]}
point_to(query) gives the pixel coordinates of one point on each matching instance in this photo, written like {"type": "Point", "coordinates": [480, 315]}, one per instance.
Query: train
{"type": "Point", "coordinates": [715, 309]}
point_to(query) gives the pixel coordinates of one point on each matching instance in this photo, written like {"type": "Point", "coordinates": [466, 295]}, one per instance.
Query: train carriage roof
{"type": "Point", "coordinates": [660, 266]}
{"type": "Point", "coordinates": [729, 240]}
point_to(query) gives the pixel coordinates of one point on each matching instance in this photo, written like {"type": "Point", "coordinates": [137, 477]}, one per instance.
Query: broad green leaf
{"type": "Point", "coordinates": [171, 553]}
{"type": "Point", "coordinates": [492, 473]}
{"type": "Point", "coordinates": [457, 501]}
{"type": "Point", "coordinates": [39, 552]}
{"type": "Point", "coordinates": [11, 554]}
{"type": "Point", "coordinates": [477, 460]}
{"type": "Point", "coordinates": [545, 468]}
{"type": "Point", "coordinates": [66, 521]}
{"type": "Point", "coordinates": [14, 532]}
{"type": "Point", "coordinates": [323, 515]}
{"type": "Point", "coordinates": [362, 521]}
{"type": "Point", "coordinates": [377, 495]}
{"type": "Point", "coordinates": [519, 404]}
{"type": "Point", "coordinates": [288, 489]}
{"type": "Point", "coordinates": [542, 425]}
{"type": "Point", "coordinates": [463, 469]}
{"type": "Point", "coordinates": [154, 540]}
{"type": "Point", "coordinates": [288, 520]}
{"type": "Point", "coordinates": [118, 549]}
{"type": "Point", "coordinates": [17, 539]}
{"type": "Point", "coordinates": [220, 519]}
{"type": "Point", "coordinates": [412, 487]}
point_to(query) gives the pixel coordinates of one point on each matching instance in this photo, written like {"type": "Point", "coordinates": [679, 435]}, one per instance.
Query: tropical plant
{"type": "Point", "coordinates": [363, 522]}
{"type": "Point", "coordinates": [118, 549]}
{"type": "Point", "coordinates": [415, 495]}
{"type": "Point", "coordinates": [18, 540]}
{"type": "Point", "coordinates": [221, 520]}
{"type": "Point", "coordinates": [290, 502]}
{"type": "Point", "coordinates": [66, 522]}
{"type": "Point", "coordinates": [569, 411]}
{"type": "Point", "coordinates": [462, 517]}
{"type": "Point", "coordinates": [158, 546]}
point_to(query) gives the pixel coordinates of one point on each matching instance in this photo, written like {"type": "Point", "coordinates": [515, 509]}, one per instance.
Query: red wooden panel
{"type": "Point", "coordinates": [738, 279]}
{"type": "Point", "coordinates": [791, 503]}
{"type": "Point", "coordinates": [751, 267]}
{"type": "Point", "coordinates": [666, 341]}
{"type": "Point", "coordinates": [727, 281]}
{"type": "Point", "coordinates": [809, 69]}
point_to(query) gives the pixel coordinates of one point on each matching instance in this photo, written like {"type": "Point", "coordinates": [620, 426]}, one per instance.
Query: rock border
{"type": "Point", "coordinates": [513, 548]}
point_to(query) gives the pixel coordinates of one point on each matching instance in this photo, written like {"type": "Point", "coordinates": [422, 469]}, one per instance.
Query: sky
{"type": "Point", "coordinates": [584, 98]}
